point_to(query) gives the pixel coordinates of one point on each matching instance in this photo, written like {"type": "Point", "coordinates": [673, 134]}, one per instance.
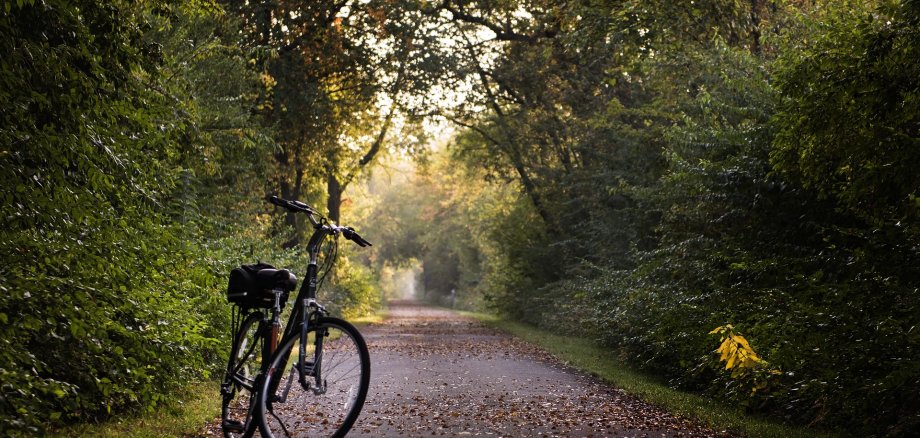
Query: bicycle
{"type": "Point", "coordinates": [332, 365]}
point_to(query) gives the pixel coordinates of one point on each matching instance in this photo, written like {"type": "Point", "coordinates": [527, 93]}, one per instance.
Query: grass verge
{"type": "Point", "coordinates": [373, 318]}
{"type": "Point", "coordinates": [587, 356]}
{"type": "Point", "coordinates": [184, 416]}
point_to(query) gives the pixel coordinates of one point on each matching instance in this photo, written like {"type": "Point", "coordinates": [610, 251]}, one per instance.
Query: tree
{"type": "Point", "coordinates": [848, 125]}
{"type": "Point", "coordinates": [331, 67]}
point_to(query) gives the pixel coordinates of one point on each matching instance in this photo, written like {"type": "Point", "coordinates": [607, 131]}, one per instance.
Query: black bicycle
{"type": "Point", "coordinates": [312, 378]}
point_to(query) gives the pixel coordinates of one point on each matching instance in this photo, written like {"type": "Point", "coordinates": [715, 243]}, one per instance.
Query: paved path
{"type": "Point", "coordinates": [435, 373]}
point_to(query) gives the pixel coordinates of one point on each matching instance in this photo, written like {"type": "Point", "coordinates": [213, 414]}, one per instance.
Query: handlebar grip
{"type": "Point", "coordinates": [361, 241]}
{"type": "Point", "coordinates": [353, 236]}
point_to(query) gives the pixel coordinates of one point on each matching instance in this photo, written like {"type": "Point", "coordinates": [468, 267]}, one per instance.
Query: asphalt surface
{"type": "Point", "coordinates": [435, 373]}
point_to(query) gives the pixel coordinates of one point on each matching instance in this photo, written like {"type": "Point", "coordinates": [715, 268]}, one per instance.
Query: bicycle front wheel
{"type": "Point", "coordinates": [324, 400]}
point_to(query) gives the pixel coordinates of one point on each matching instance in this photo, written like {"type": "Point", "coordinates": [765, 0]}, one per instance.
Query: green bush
{"type": "Point", "coordinates": [352, 291]}
{"type": "Point", "coordinates": [755, 232]}
{"type": "Point", "coordinates": [786, 208]}
{"type": "Point", "coordinates": [111, 284]}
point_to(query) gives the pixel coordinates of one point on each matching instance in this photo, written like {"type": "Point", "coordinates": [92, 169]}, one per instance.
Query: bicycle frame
{"type": "Point", "coordinates": [305, 317]}
{"type": "Point", "coordinates": [306, 308]}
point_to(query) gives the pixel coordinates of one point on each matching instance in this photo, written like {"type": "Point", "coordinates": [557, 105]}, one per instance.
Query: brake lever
{"type": "Point", "coordinates": [302, 206]}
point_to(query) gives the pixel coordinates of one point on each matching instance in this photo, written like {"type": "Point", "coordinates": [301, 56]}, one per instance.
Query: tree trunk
{"type": "Point", "coordinates": [756, 10]}
{"type": "Point", "coordinates": [292, 191]}
{"type": "Point", "coordinates": [334, 191]}
{"type": "Point", "coordinates": [335, 186]}
{"type": "Point", "coordinates": [531, 190]}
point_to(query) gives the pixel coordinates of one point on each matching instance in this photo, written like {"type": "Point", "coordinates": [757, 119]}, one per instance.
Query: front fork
{"type": "Point", "coordinates": [304, 368]}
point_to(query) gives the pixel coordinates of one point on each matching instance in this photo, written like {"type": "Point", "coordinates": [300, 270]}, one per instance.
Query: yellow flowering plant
{"type": "Point", "coordinates": [741, 359]}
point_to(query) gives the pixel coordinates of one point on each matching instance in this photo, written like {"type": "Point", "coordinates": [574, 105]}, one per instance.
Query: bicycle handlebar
{"type": "Point", "coordinates": [296, 206]}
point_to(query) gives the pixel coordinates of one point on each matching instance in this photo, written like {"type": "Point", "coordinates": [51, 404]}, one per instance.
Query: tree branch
{"type": "Point", "coordinates": [326, 21]}
{"type": "Point", "coordinates": [381, 136]}
{"type": "Point", "coordinates": [502, 33]}
{"type": "Point", "coordinates": [475, 128]}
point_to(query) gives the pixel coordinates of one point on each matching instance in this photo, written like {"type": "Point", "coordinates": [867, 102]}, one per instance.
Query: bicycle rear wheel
{"type": "Point", "coordinates": [336, 353]}
{"type": "Point", "coordinates": [238, 401]}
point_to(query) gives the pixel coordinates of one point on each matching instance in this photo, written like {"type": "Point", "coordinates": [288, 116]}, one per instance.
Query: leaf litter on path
{"type": "Point", "coordinates": [435, 373]}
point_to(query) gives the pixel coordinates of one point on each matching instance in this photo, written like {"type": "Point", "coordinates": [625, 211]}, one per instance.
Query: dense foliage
{"type": "Point", "coordinates": [92, 309]}
{"type": "Point", "coordinates": [133, 163]}
{"type": "Point", "coordinates": [670, 178]}
{"type": "Point", "coordinates": [685, 168]}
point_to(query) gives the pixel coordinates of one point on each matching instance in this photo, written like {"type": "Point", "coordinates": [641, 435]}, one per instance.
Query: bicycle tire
{"type": "Point", "coordinates": [292, 410]}
{"type": "Point", "coordinates": [237, 401]}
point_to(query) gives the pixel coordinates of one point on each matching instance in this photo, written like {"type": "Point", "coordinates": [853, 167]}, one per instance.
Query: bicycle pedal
{"type": "Point", "coordinates": [233, 426]}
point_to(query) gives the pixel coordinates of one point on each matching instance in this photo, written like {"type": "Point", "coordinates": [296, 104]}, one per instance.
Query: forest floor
{"type": "Point", "coordinates": [435, 373]}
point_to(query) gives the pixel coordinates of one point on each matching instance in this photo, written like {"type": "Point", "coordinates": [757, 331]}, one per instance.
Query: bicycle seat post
{"type": "Point", "coordinates": [275, 334]}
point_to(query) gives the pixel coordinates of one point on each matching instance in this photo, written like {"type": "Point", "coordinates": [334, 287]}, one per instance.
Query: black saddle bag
{"type": "Point", "coordinates": [253, 285]}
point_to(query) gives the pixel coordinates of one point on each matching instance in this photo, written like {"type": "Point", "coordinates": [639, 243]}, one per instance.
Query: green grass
{"type": "Point", "coordinates": [587, 356]}
{"type": "Point", "coordinates": [184, 416]}
{"type": "Point", "coordinates": [373, 318]}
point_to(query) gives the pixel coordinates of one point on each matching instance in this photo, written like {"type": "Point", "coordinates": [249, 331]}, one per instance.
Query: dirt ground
{"type": "Point", "coordinates": [435, 373]}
